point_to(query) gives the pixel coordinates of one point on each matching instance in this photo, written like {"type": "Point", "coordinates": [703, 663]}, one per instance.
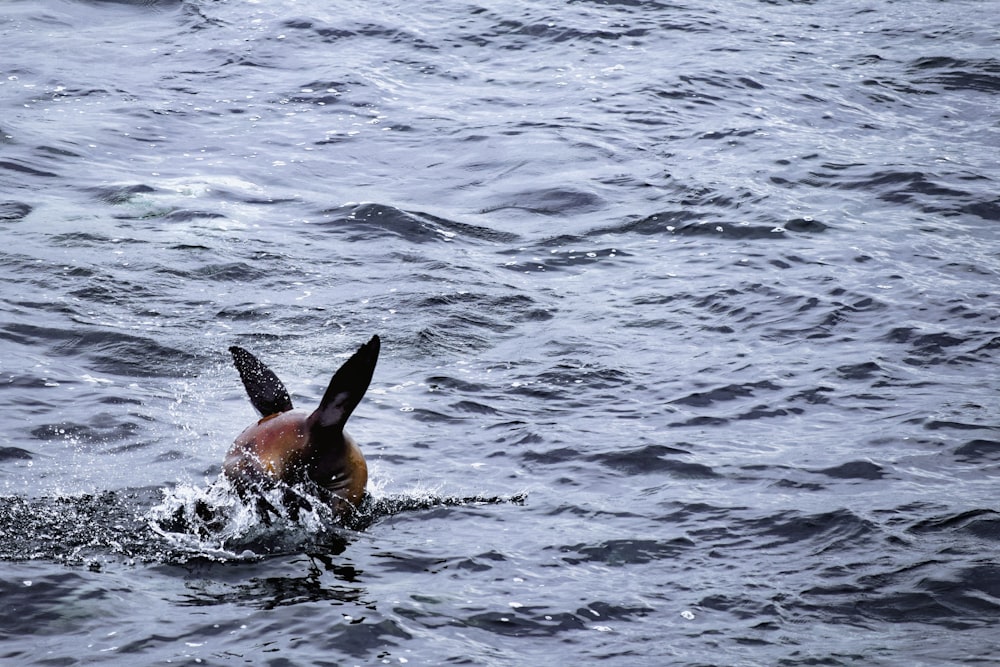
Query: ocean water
{"type": "Point", "coordinates": [690, 316]}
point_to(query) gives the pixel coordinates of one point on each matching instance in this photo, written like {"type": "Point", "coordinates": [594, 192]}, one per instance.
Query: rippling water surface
{"type": "Point", "coordinates": [690, 318]}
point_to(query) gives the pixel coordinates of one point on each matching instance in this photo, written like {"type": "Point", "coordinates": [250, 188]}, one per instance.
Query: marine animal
{"type": "Point", "coordinates": [289, 447]}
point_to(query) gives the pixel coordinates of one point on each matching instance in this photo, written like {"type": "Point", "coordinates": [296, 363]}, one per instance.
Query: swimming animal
{"type": "Point", "coordinates": [288, 447]}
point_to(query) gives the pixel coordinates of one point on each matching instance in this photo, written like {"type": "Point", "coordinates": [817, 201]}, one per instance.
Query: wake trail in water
{"type": "Point", "coordinates": [187, 522]}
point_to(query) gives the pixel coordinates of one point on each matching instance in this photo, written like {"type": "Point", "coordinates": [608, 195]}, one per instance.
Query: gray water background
{"type": "Point", "coordinates": [708, 290]}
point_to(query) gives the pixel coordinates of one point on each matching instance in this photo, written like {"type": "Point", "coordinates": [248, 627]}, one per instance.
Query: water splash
{"type": "Point", "coordinates": [186, 522]}
{"type": "Point", "coordinates": [284, 519]}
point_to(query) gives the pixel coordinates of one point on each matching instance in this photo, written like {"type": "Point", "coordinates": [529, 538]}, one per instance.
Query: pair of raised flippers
{"type": "Point", "coordinates": [289, 447]}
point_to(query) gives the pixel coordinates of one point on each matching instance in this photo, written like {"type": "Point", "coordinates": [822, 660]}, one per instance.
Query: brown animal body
{"type": "Point", "coordinates": [294, 446]}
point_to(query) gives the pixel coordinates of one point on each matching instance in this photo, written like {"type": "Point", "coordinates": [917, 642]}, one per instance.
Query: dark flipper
{"type": "Point", "coordinates": [266, 392]}
{"type": "Point", "coordinates": [346, 389]}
